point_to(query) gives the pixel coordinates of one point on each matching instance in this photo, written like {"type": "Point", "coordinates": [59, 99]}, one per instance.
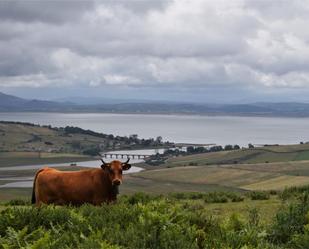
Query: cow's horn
{"type": "Point", "coordinates": [104, 163]}
{"type": "Point", "coordinates": [127, 160]}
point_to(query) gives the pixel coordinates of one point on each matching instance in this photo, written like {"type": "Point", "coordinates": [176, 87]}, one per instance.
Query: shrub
{"type": "Point", "coordinates": [273, 192]}
{"type": "Point", "coordinates": [258, 195]}
{"type": "Point", "coordinates": [17, 202]}
{"type": "Point", "coordinates": [145, 221]}
{"type": "Point", "coordinates": [237, 198]}
{"type": "Point", "coordinates": [290, 221]}
{"type": "Point", "coordinates": [138, 198]}
{"type": "Point", "coordinates": [216, 197]}
{"type": "Point", "coordinates": [293, 192]}
{"type": "Point", "coordinates": [92, 151]}
{"type": "Point", "coordinates": [187, 196]}
{"type": "Point", "coordinates": [253, 217]}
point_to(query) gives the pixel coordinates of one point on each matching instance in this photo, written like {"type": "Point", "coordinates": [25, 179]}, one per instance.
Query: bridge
{"type": "Point", "coordinates": [180, 145]}
{"type": "Point", "coordinates": [120, 155]}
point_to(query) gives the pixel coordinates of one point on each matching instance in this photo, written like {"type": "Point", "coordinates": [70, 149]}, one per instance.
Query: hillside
{"type": "Point", "coordinates": [28, 143]}
{"type": "Point", "coordinates": [262, 168]}
{"type": "Point", "coordinates": [12, 103]}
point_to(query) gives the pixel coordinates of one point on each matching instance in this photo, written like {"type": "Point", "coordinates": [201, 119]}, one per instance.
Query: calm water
{"type": "Point", "coordinates": [180, 128]}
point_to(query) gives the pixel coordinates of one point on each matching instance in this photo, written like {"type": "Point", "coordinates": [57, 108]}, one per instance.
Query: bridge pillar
{"type": "Point", "coordinates": [122, 156]}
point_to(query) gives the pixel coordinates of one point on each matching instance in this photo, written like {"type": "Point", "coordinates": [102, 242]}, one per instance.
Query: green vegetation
{"type": "Point", "coordinates": [179, 220]}
{"type": "Point", "coordinates": [25, 137]}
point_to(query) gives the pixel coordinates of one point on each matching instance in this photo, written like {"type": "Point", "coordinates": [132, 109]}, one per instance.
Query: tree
{"type": "Point", "coordinates": [92, 151]}
{"type": "Point", "coordinates": [228, 147]}
{"type": "Point", "coordinates": [236, 147]}
{"type": "Point", "coordinates": [250, 146]}
{"type": "Point", "coordinates": [190, 149]}
{"type": "Point", "coordinates": [159, 140]}
{"type": "Point", "coordinates": [215, 148]}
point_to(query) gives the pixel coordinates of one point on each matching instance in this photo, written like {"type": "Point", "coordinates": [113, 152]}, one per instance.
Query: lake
{"type": "Point", "coordinates": [220, 130]}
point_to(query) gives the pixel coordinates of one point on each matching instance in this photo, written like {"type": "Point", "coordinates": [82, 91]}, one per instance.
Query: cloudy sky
{"type": "Point", "coordinates": [178, 50]}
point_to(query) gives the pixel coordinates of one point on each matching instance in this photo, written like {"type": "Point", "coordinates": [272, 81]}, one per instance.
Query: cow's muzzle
{"type": "Point", "coordinates": [116, 182]}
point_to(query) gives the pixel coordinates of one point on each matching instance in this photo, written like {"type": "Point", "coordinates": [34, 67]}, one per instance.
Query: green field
{"type": "Point", "coordinates": [270, 176]}
{"type": "Point", "coordinates": [33, 158]}
{"type": "Point", "coordinates": [282, 153]}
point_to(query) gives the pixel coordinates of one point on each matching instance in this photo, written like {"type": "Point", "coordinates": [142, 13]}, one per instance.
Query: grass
{"type": "Point", "coordinates": [133, 184]}
{"type": "Point", "coordinates": [228, 177]}
{"type": "Point", "coordinates": [15, 193]}
{"type": "Point", "coordinates": [17, 159]}
{"type": "Point", "coordinates": [268, 209]}
{"type": "Point", "coordinates": [278, 183]}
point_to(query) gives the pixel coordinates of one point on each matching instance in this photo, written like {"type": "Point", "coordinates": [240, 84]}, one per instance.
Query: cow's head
{"type": "Point", "coordinates": [115, 169]}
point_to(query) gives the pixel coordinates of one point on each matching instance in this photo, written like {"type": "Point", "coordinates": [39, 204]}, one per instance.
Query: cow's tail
{"type": "Point", "coordinates": [33, 198]}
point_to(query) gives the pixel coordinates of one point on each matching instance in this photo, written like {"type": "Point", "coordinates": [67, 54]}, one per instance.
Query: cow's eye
{"type": "Point", "coordinates": [120, 171]}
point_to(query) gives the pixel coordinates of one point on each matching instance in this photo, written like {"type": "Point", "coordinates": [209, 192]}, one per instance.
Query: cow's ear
{"type": "Point", "coordinates": [104, 165]}
{"type": "Point", "coordinates": [126, 166]}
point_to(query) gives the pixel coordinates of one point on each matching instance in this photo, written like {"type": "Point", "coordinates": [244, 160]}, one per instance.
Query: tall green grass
{"type": "Point", "coordinates": [155, 222]}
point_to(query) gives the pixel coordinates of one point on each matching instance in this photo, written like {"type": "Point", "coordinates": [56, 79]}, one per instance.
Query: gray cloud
{"type": "Point", "coordinates": [181, 44]}
{"type": "Point", "coordinates": [49, 11]}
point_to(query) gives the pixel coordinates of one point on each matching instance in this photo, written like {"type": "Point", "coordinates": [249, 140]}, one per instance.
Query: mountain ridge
{"type": "Point", "coordinates": [10, 103]}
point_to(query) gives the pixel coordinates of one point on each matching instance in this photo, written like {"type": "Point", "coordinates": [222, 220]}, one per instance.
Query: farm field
{"type": "Point", "coordinates": [267, 176]}
{"type": "Point", "coordinates": [266, 154]}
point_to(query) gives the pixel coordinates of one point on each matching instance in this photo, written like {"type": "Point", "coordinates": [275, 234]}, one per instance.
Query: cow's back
{"type": "Point", "coordinates": [71, 187]}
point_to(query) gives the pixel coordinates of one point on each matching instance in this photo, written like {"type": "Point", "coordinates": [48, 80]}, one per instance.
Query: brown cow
{"type": "Point", "coordinates": [93, 186]}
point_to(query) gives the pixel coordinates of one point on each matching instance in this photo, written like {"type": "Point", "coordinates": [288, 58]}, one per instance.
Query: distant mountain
{"type": "Point", "coordinates": [9, 103]}
{"type": "Point", "coordinates": [77, 100]}
{"type": "Point", "coordinates": [12, 103]}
